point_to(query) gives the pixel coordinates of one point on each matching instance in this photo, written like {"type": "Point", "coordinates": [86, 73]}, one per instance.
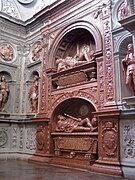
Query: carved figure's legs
{"type": "Point", "coordinates": [88, 123]}
{"type": "Point", "coordinates": [130, 82]}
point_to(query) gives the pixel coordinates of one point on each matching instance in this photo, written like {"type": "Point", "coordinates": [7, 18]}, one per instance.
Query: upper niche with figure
{"type": "Point", "coordinates": [76, 48]}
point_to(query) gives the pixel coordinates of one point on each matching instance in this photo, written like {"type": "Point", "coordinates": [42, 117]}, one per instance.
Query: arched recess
{"type": "Point", "coordinates": [34, 73]}
{"type": "Point", "coordinates": [7, 75]}
{"type": "Point", "coordinates": [75, 107]}
{"type": "Point", "coordinates": [79, 31]}
{"type": "Point", "coordinates": [122, 54]}
{"type": "Point", "coordinates": [7, 89]}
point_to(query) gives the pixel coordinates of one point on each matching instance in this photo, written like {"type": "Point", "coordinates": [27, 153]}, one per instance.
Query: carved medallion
{"type": "Point", "coordinates": [85, 48]}
{"type": "Point", "coordinates": [84, 110]}
{"type": "Point", "coordinates": [6, 52]}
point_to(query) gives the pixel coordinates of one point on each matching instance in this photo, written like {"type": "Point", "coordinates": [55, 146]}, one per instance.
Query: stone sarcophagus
{"type": "Point", "coordinates": [78, 146]}
{"type": "Point", "coordinates": [76, 75]}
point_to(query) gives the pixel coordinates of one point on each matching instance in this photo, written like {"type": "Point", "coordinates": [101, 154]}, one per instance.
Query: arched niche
{"type": "Point", "coordinates": [122, 55]}
{"type": "Point", "coordinates": [75, 107]}
{"type": "Point", "coordinates": [6, 75]}
{"type": "Point", "coordinates": [72, 39]}
{"type": "Point", "coordinates": [6, 92]}
{"type": "Point", "coordinates": [34, 73]}
{"type": "Point", "coordinates": [75, 143]}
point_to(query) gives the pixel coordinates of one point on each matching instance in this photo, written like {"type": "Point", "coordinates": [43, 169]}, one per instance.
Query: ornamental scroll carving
{"type": "Point", "coordinates": [108, 61]}
{"type": "Point", "coordinates": [45, 43]}
{"type": "Point", "coordinates": [109, 138]}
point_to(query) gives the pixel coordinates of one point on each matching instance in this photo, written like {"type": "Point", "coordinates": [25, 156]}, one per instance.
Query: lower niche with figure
{"type": "Point", "coordinates": [75, 133]}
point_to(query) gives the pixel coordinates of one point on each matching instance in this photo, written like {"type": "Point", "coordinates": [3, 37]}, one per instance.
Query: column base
{"type": "Point", "coordinates": [40, 158]}
{"type": "Point", "coordinates": [109, 168]}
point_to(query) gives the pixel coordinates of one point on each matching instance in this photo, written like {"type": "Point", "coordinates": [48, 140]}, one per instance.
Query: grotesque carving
{"type": "Point", "coordinates": [6, 52]}
{"type": "Point", "coordinates": [4, 93]}
{"type": "Point", "coordinates": [33, 95]}
{"type": "Point", "coordinates": [78, 59]}
{"type": "Point", "coordinates": [72, 124]}
{"type": "Point", "coordinates": [129, 69]}
{"type": "Point", "coordinates": [36, 53]}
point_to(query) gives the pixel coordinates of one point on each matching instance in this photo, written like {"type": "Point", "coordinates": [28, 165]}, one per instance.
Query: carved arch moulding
{"type": "Point", "coordinates": [68, 33]}
{"type": "Point", "coordinates": [75, 94]}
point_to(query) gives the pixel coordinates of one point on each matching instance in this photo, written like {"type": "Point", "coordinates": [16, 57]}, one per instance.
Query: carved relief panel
{"type": "Point", "coordinates": [128, 139]}
{"type": "Point", "coordinates": [30, 138]}
{"type": "Point", "coordinates": [4, 137]}
{"type": "Point", "coordinates": [43, 138]}
{"type": "Point", "coordinates": [36, 53]}
{"type": "Point", "coordinates": [108, 138]}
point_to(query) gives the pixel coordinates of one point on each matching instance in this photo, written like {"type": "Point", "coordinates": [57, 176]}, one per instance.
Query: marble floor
{"type": "Point", "coordinates": [22, 170]}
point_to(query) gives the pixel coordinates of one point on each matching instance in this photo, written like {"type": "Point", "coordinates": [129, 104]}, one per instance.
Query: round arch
{"type": "Point", "coordinates": [75, 106]}
{"type": "Point", "coordinates": [68, 30]}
